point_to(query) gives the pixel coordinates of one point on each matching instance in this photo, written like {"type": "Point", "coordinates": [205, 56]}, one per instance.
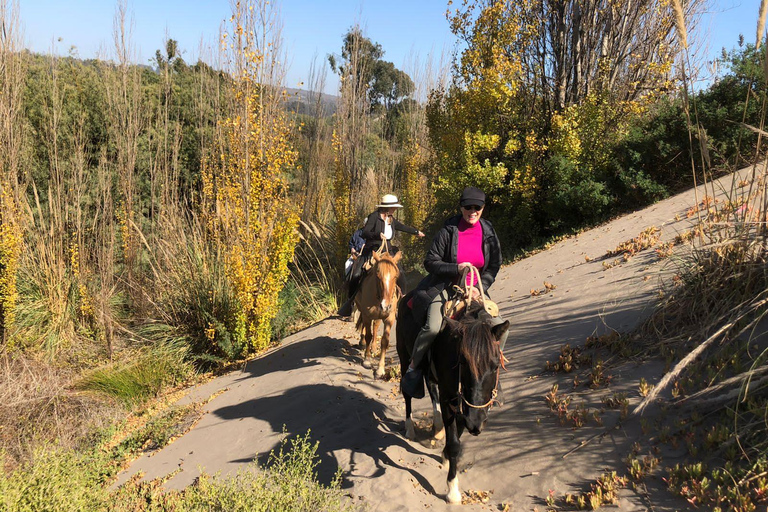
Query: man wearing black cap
{"type": "Point", "coordinates": [465, 240]}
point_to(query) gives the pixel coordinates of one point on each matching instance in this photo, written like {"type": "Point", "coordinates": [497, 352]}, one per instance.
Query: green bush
{"type": "Point", "coordinates": [54, 480]}
{"type": "Point", "coordinates": [634, 187]}
{"type": "Point", "coordinates": [575, 195]}
{"type": "Point", "coordinates": [288, 484]}
{"type": "Point", "coordinates": [59, 480]}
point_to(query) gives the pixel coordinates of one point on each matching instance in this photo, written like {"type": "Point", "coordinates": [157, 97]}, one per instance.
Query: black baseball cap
{"type": "Point", "coordinates": [472, 196]}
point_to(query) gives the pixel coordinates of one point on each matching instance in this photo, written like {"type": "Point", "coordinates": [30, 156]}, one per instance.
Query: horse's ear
{"type": "Point", "coordinates": [500, 330]}
{"type": "Point", "coordinates": [452, 324]}
{"type": "Point", "coordinates": [397, 257]}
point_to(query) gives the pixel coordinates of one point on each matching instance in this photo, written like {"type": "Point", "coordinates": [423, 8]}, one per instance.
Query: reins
{"type": "Point", "coordinates": [383, 247]}
{"type": "Point", "coordinates": [465, 289]}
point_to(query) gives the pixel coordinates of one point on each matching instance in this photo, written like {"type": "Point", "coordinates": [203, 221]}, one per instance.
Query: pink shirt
{"type": "Point", "coordinates": [470, 247]}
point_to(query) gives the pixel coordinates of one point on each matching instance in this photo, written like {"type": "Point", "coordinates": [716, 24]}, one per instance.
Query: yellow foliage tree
{"type": "Point", "coordinates": [246, 204]}
{"type": "Point", "coordinates": [543, 91]}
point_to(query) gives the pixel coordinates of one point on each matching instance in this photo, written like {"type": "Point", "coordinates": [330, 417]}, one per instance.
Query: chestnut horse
{"type": "Point", "coordinates": [376, 300]}
{"type": "Point", "coordinates": [463, 377]}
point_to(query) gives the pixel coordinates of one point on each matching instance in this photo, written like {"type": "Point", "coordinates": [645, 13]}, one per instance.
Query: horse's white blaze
{"type": "Point", "coordinates": [454, 496]}
{"type": "Point", "coordinates": [410, 432]}
{"type": "Point", "coordinates": [386, 298]}
{"type": "Point", "coordinates": [384, 294]}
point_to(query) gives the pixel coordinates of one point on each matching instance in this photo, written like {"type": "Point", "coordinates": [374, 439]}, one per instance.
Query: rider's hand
{"type": "Point", "coordinates": [464, 264]}
{"type": "Point", "coordinates": [383, 236]}
{"type": "Point", "coordinates": [420, 234]}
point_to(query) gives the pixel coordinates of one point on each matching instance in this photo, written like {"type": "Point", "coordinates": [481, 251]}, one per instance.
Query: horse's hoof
{"type": "Point", "coordinates": [379, 374]}
{"type": "Point", "coordinates": [454, 496]}
{"type": "Point", "coordinates": [367, 364]}
{"type": "Point", "coordinates": [439, 434]}
{"type": "Point", "coordinates": [410, 432]}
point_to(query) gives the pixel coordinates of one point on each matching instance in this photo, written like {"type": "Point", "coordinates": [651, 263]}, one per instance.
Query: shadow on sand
{"type": "Point", "coordinates": [338, 416]}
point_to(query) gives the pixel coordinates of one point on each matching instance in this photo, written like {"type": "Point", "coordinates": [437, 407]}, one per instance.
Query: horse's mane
{"type": "Point", "coordinates": [478, 346]}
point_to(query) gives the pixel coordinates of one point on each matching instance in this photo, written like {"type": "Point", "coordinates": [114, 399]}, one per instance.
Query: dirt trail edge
{"type": "Point", "coordinates": [314, 381]}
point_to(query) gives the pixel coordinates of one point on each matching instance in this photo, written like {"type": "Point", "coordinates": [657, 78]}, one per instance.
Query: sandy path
{"type": "Point", "coordinates": [314, 381]}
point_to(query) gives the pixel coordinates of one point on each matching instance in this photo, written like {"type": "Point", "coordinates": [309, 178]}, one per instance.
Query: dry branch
{"type": "Point", "coordinates": [679, 367]}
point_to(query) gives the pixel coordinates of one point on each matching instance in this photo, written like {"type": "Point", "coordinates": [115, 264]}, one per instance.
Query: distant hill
{"type": "Point", "coordinates": [305, 102]}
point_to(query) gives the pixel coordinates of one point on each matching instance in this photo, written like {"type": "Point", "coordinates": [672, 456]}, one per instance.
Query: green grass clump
{"type": "Point", "coordinates": [144, 377]}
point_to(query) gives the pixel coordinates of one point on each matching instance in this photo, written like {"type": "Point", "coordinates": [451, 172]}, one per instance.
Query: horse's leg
{"type": "Point", "coordinates": [361, 344]}
{"type": "Point", "coordinates": [451, 453]}
{"type": "Point", "coordinates": [369, 335]}
{"type": "Point", "coordinates": [384, 345]}
{"type": "Point", "coordinates": [374, 333]}
{"type": "Point", "coordinates": [438, 432]}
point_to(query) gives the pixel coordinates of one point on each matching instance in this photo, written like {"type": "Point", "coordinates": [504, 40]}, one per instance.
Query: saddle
{"type": "Point", "coordinates": [454, 307]}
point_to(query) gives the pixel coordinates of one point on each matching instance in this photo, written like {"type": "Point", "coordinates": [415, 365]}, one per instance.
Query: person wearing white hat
{"type": "Point", "coordinates": [379, 226]}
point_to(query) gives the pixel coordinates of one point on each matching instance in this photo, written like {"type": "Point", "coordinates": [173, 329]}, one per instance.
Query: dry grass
{"type": "Point", "coordinates": [37, 405]}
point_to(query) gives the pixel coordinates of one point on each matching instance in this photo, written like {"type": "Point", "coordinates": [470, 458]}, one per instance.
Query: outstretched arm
{"type": "Point", "coordinates": [399, 226]}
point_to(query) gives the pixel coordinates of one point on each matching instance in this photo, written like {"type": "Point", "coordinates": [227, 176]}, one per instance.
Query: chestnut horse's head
{"type": "Point", "coordinates": [386, 271]}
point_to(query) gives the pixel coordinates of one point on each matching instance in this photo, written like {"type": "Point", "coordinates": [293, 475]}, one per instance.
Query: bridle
{"type": "Point", "coordinates": [495, 391]}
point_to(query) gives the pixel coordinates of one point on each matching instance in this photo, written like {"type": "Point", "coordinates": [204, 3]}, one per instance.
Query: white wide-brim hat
{"type": "Point", "coordinates": [389, 201]}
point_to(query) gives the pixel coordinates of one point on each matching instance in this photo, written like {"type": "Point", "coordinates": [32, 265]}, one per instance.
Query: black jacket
{"type": "Point", "coordinates": [374, 227]}
{"type": "Point", "coordinates": [441, 258]}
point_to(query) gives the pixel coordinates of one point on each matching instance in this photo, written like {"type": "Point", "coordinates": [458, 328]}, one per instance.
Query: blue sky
{"type": "Point", "coordinates": [404, 28]}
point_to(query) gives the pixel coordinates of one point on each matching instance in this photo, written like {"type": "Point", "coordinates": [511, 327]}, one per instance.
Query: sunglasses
{"type": "Point", "coordinates": [472, 208]}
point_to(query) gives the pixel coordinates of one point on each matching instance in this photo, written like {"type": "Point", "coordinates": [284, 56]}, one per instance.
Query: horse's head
{"type": "Point", "coordinates": [385, 267]}
{"type": "Point", "coordinates": [481, 360]}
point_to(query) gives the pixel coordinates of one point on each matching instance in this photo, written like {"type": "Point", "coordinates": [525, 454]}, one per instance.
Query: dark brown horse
{"type": "Point", "coordinates": [463, 378]}
{"type": "Point", "coordinates": [377, 302]}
